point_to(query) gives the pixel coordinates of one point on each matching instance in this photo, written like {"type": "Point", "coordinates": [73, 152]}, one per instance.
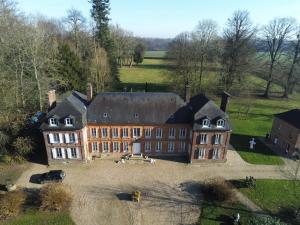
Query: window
{"type": "Point", "coordinates": [172, 132]}
{"type": "Point", "coordinates": [59, 153]}
{"type": "Point", "coordinates": [95, 146]}
{"type": "Point", "coordinates": [55, 138]}
{"type": "Point", "coordinates": [218, 139]}
{"type": "Point", "coordinates": [116, 146]}
{"type": "Point", "coordinates": [115, 132]}
{"type": "Point", "coordinates": [68, 122]}
{"type": "Point", "coordinates": [182, 146]}
{"type": "Point", "coordinates": [73, 153]}
{"type": "Point", "coordinates": [215, 153]}
{"type": "Point", "coordinates": [147, 146]}
{"type": "Point", "coordinates": [94, 132]}
{"type": "Point", "coordinates": [136, 115]}
{"type": "Point", "coordinates": [201, 153]}
{"type": "Point", "coordinates": [220, 123]}
{"type": "Point", "coordinates": [53, 122]}
{"type": "Point", "coordinates": [205, 123]}
{"type": "Point", "coordinates": [125, 146]}
{"type": "Point", "coordinates": [158, 146]}
{"type": "Point", "coordinates": [171, 145]}
{"type": "Point", "coordinates": [203, 139]}
{"type": "Point", "coordinates": [72, 138]}
{"type": "Point", "coordinates": [158, 132]}
{"type": "Point", "coordinates": [105, 115]}
{"type": "Point", "coordinates": [182, 132]}
{"type": "Point", "coordinates": [125, 132]}
{"type": "Point", "coordinates": [105, 146]}
{"type": "Point", "coordinates": [104, 133]}
{"type": "Point", "coordinates": [136, 132]}
{"type": "Point", "coordinates": [148, 132]}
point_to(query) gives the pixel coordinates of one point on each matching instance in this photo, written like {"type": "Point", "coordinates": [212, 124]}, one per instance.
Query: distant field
{"type": "Point", "coordinates": [155, 54]}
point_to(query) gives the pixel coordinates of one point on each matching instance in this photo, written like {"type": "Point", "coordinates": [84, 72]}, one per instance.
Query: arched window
{"type": "Point", "coordinates": [205, 123]}
{"type": "Point", "coordinates": [220, 123]}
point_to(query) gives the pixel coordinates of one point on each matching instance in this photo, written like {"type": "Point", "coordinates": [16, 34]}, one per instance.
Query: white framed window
{"type": "Point", "coordinates": [136, 132]}
{"type": "Point", "coordinates": [74, 153]}
{"type": "Point", "coordinates": [72, 138]}
{"type": "Point", "coordinates": [182, 132]}
{"type": "Point", "coordinates": [215, 153]}
{"type": "Point", "coordinates": [69, 122]}
{"type": "Point", "coordinates": [148, 132]}
{"type": "Point", "coordinates": [218, 139]}
{"type": "Point", "coordinates": [105, 115]}
{"type": "Point", "coordinates": [104, 133]}
{"type": "Point", "coordinates": [125, 146]}
{"type": "Point", "coordinates": [56, 138]}
{"type": "Point", "coordinates": [220, 123]}
{"type": "Point", "coordinates": [53, 122]}
{"type": "Point", "coordinates": [205, 123]}
{"type": "Point", "coordinates": [203, 138]}
{"type": "Point", "coordinates": [172, 132]}
{"type": "Point", "coordinates": [147, 146]}
{"type": "Point", "coordinates": [59, 153]}
{"type": "Point", "coordinates": [158, 147]}
{"type": "Point", "coordinates": [171, 146]}
{"type": "Point", "coordinates": [115, 132]}
{"type": "Point", "coordinates": [125, 133]}
{"type": "Point", "coordinates": [159, 132]}
{"type": "Point", "coordinates": [182, 146]}
{"type": "Point", "coordinates": [95, 147]}
{"type": "Point", "coordinates": [201, 153]}
{"type": "Point", "coordinates": [94, 132]}
{"type": "Point", "coordinates": [116, 146]}
{"type": "Point", "coordinates": [105, 146]}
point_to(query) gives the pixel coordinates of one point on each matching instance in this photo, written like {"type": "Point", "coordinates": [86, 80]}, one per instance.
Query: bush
{"type": "Point", "coordinates": [218, 190]}
{"type": "Point", "coordinates": [23, 146]}
{"type": "Point", "coordinates": [11, 204]}
{"type": "Point", "coordinates": [55, 197]}
{"type": "Point", "coordinates": [265, 220]}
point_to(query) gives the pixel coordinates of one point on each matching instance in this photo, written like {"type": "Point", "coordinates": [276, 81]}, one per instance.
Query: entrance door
{"type": "Point", "coordinates": [136, 148]}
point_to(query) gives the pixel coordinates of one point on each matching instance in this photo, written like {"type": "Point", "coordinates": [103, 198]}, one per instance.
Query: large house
{"type": "Point", "coordinates": [285, 133]}
{"type": "Point", "coordinates": [116, 123]}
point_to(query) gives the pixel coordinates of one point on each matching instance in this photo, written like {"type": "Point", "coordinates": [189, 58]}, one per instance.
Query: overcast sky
{"type": "Point", "coordinates": [167, 18]}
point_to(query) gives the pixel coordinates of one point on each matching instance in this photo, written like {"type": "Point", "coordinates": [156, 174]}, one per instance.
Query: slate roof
{"type": "Point", "coordinates": [292, 117]}
{"type": "Point", "coordinates": [72, 106]}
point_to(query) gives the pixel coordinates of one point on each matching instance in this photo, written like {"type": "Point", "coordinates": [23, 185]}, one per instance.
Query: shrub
{"type": "Point", "coordinates": [218, 190]}
{"type": "Point", "coordinates": [265, 220]}
{"type": "Point", "coordinates": [11, 204]}
{"type": "Point", "coordinates": [23, 146]}
{"type": "Point", "coordinates": [55, 197]}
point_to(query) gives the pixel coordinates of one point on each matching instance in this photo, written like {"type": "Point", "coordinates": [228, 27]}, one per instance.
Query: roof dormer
{"type": "Point", "coordinates": [69, 121]}
{"type": "Point", "coordinates": [220, 123]}
{"type": "Point", "coordinates": [206, 123]}
{"type": "Point", "coordinates": [53, 121]}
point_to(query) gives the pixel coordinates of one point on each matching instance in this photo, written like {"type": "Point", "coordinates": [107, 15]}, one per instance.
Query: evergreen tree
{"type": "Point", "coordinates": [139, 53]}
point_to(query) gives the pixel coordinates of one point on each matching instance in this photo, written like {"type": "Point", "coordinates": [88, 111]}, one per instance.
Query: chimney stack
{"type": "Point", "coordinates": [224, 100]}
{"type": "Point", "coordinates": [51, 99]}
{"type": "Point", "coordinates": [187, 93]}
{"type": "Point", "coordinates": [89, 92]}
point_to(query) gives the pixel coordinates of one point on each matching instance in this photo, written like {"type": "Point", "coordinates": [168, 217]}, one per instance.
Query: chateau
{"type": "Point", "coordinates": [113, 124]}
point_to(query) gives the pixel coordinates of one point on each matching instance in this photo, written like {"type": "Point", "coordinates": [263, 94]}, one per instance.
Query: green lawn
{"type": "Point", "coordinates": [155, 54]}
{"type": "Point", "coordinates": [11, 172]}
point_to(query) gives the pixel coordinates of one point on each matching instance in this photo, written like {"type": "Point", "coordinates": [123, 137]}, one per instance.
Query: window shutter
{"type": "Point", "coordinates": [78, 153]}
{"type": "Point", "coordinates": [63, 153]}
{"type": "Point", "coordinates": [54, 153]}
{"type": "Point", "coordinates": [61, 140]}
{"type": "Point", "coordinates": [69, 153]}
{"type": "Point", "coordinates": [51, 139]}
{"type": "Point", "coordinates": [76, 137]}
{"type": "Point", "coordinates": [221, 139]}
{"type": "Point", "coordinates": [67, 138]}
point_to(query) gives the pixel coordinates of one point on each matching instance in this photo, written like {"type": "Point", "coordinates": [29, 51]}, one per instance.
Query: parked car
{"type": "Point", "coordinates": [52, 176]}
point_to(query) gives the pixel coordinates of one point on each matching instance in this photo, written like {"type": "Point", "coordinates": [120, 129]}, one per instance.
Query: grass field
{"type": "Point", "coordinates": [11, 172]}
{"type": "Point", "coordinates": [155, 54]}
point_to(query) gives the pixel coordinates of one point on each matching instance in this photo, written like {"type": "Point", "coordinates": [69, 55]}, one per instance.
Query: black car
{"type": "Point", "coordinates": [52, 176]}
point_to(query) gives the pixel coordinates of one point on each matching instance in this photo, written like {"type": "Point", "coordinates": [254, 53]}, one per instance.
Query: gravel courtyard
{"type": "Point", "coordinates": [170, 190]}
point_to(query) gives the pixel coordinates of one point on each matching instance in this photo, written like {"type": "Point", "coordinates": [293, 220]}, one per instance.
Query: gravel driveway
{"type": "Point", "coordinates": [170, 190]}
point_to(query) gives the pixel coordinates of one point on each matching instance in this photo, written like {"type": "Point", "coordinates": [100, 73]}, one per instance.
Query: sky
{"type": "Point", "coordinates": [167, 18]}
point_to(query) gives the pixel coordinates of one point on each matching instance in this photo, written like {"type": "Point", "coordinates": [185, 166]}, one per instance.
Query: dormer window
{"type": "Point", "coordinates": [220, 123]}
{"type": "Point", "coordinates": [136, 115]}
{"type": "Point", "coordinates": [53, 122]}
{"type": "Point", "coordinates": [205, 123]}
{"type": "Point", "coordinates": [68, 122]}
{"type": "Point", "coordinates": [105, 115]}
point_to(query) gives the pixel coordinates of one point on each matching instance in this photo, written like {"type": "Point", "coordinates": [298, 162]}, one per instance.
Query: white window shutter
{"type": "Point", "coordinates": [221, 139]}
{"type": "Point", "coordinates": [63, 153]}
{"type": "Point", "coordinates": [51, 139]}
{"type": "Point", "coordinates": [54, 153]}
{"type": "Point", "coordinates": [76, 137]}
{"type": "Point", "coordinates": [61, 140]}
{"type": "Point", "coordinates": [67, 138]}
{"type": "Point", "coordinates": [78, 153]}
{"type": "Point", "coordinates": [69, 153]}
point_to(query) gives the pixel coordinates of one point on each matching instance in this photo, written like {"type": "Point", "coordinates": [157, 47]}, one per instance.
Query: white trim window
{"type": "Point", "coordinates": [53, 122]}
{"type": "Point", "coordinates": [94, 132]}
{"type": "Point", "coordinates": [56, 138]}
{"type": "Point", "coordinates": [74, 153]}
{"type": "Point", "coordinates": [171, 146]}
{"type": "Point", "coordinates": [159, 132]}
{"type": "Point", "coordinates": [147, 146]}
{"type": "Point", "coordinates": [158, 147]}
{"type": "Point", "coordinates": [182, 133]}
{"type": "Point", "coordinates": [115, 132]}
{"type": "Point", "coordinates": [116, 146]}
{"type": "Point", "coordinates": [136, 132]}
{"type": "Point", "coordinates": [220, 123]}
{"type": "Point", "coordinates": [216, 153]}
{"type": "Point", "coordinates": [105, 146]}
{"type": "Point", "coordinates": [104, 133]}
{"type": "Point", "coordinates": [201, 153]}
{"type": "Point", "coordinates": [218, 139]}
{"type": "Point", "coordinates": [69, 122]}
{"type": "Point", "coordinates": [182, 146]}
{"type": "Point", "coordinates": [148, 132]}
{"type": "Point", "coordinates": [125, 146]}
{"type": "Point", "coordinates": [125, 133]}
{"type": "Point", "coordinates": [205, 123]}
{"type": "Point", "coordinates": [172, 132]}
{"type": "Point", "coordinates": [72, 138]}
{"type": "Point", "coordinates": [203, 139]}
{"type": "Point", "coordinates": [95, 147]}
{"type": "Point", "coordinates": [59, 153]}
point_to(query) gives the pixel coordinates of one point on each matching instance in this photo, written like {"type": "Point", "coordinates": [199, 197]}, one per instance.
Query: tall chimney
{"type": "Point", "coordinates": [51, 99]}
{"type": "Point", "coordinates": [89, 92]}
{"type": "Point", "coordinates": [224, 100]}
{"type": "Point", "coordinates": [187, 92]}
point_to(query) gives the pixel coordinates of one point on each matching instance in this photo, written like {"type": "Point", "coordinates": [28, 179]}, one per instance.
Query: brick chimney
{"type": "Point", "coordinates": [89, 92]}
{"type": "Point", "coordinates": [51, 99]}
{"type": "Point", "coordinates": [224, 100]}
{"type": "Point", "coordinates": [187, 92]}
